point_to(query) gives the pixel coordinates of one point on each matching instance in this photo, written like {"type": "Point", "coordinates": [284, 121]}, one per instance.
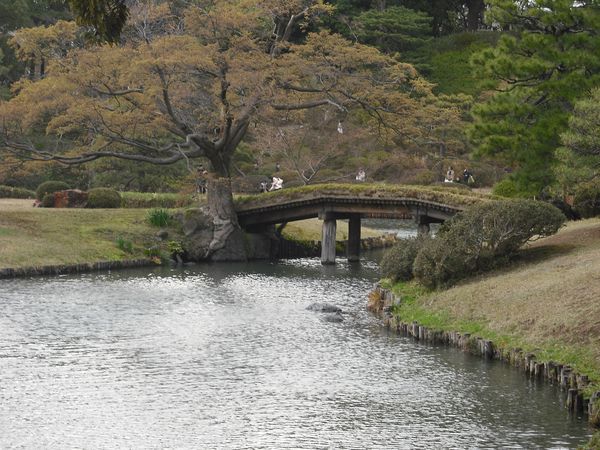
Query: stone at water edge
{"type": "Point", "coordinates": [324, 307]}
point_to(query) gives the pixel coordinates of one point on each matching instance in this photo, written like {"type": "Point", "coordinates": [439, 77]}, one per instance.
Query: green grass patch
{"type": "Point", "coordinates": [156, 200]}
{"type": "Point", "coordinates": [40, 236]}
{"type": "Point", "coordinates": [159, 217]}
{"type": "Point", "coordinates": [311, 229]}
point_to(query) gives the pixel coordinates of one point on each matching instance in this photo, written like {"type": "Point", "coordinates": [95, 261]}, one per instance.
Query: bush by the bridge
{"type": "Point", "coordinates": [483, 237]}
{"type": "Point", "coordinates": [397, 262]}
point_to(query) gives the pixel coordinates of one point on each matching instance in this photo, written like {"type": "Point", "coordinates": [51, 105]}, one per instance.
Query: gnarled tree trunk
{"type": "Point", "coordinates": [228, 239]}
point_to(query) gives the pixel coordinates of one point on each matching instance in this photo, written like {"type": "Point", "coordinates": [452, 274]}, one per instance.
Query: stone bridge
{"type": "Point", "coordinates": [352, 202]}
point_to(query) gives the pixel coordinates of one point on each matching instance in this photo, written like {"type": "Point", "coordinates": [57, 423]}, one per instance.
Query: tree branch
{"type": "Point", "coordinates": [169, 107]}
{"type": "Point", "coordinates": [307, 105]}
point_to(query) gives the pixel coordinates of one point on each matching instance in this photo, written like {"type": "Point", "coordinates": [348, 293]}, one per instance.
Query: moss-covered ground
{"type": "Point", "coordinates": [453, 195]}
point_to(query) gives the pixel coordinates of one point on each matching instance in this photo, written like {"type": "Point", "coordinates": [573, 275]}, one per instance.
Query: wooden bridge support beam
{"type": "Point", "coordinates": [353, 247]}
{"type": "Point", "coordinates": [328, 240]}
{"type": "Point", "coordinates": [423, 227]}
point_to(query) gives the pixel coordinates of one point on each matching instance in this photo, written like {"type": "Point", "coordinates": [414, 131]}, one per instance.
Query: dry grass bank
{"type": "Point", "coordinates": [548, 301]}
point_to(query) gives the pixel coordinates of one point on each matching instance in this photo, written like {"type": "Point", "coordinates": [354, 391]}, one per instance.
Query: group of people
{"type": "Point", "coordinates": [361, 176]}
{"type": "Point", "coordinates": [276, 184]}
{"type": "Point", "coordinates": [467, 177]}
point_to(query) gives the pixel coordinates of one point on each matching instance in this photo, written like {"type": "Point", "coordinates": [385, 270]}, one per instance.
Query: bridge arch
{"type": "Point", "coordinates": [353, 206]}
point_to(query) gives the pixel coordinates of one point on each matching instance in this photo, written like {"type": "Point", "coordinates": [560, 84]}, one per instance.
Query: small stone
{"type": "Point", "coordinates": [162, 235]}
{"type": "Point", "coordinates": [324, 307]}
{"type": "Point", "coordinates": [334, 317]}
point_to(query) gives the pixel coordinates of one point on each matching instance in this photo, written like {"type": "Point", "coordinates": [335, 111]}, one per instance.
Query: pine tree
{"type": "Point", "coordinates": [548, 60]}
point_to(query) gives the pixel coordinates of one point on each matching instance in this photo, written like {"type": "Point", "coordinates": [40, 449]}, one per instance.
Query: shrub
{"type": "Point", "coordinates": [15, 192]}
{"type": "Point", "coordinates": [505, 188]}
{"type": "Point", "coordinates": [175, 248]}
{"type": "Point", "coordinates": [397, 262]}
{"type": "Point", "coordinates": [156, 254]}
{"type": "Point", "coordinates": [50, 187]}
{"type": "Point", "coordinates": [587, 198]}
{"type": "Point", "coordinates": [159, 217]}
{"type": "Point", "coordinates": [103, 198]}
{"type": "Point", "coordinates": [482, 237]}
{"type": "Point", "coordinates": [154, 200]}
{"type": "Point", "coordinates": [437, 265]}
{"type": "Point", "coordinates": [48, 201]}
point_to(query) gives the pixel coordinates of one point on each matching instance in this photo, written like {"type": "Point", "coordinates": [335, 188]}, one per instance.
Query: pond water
{"type": "Point", "coordinates": [227, 356]}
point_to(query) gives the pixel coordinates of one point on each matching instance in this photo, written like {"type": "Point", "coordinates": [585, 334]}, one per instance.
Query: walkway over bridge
{"type": "Point", "coordinates": [352, 202]}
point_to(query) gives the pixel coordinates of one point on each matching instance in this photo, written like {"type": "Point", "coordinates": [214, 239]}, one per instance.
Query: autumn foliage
{"type": "Point", "coordinates": [196, 82]}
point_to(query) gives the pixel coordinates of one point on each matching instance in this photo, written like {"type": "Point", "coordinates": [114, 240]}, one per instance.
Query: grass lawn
{"type": "Point", "coordinates": [310, 230]}
{"type": "Point", "coordinates": [47, 236]}
{"type": "Point", "coordinates": [546, 302]}
{"type": "Point", "coordinates": [51, 236]}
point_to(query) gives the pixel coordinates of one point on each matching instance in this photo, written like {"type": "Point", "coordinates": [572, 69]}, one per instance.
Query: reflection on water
{"type": "Point", "coordinates": [227, 356]}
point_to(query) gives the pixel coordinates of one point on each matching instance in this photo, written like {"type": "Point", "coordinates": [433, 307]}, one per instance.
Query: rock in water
{"type": "Point", "coordinates": [334, 317]}
{"type": "Point", "coordinates": [324, 307]}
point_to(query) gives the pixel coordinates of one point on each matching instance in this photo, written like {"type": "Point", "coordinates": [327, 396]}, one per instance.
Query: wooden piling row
{"type": "Point", "coordinates": [382, 301]}
{"type": "Point", "coordinates": [74, 268]}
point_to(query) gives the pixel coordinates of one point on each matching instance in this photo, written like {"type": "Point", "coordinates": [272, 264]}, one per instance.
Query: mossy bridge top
{"type": "Point", "coordinates": [353, 202]}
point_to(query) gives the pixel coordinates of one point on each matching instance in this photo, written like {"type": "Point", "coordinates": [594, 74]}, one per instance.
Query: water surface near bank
{"type": "Point", "coordinates": [227, 356]}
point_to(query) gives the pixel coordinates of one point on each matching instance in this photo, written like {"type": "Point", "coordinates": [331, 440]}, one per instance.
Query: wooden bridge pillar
{"type": "Point", "coordinates": [423, 227]}
{"type": "Point", "coordinates": [328, 240]}
{"type": "Point", "coordinates": [353, 248]}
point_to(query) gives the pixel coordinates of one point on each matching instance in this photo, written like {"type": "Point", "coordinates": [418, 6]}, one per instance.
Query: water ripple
{"type": "Point", "coordinates": [227, 356]}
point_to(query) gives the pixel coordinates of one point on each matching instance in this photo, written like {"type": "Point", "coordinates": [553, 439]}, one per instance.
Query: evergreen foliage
{"type": "Point", "coordinates": [50, 187]}
{"type": "Point", "coordinates": [15, 14]}
{"type": "Point", "coordinates": [15, 192]}
{"type": "Point", "coordinates": [47, 201]}
{"type": "Point", "coordinates": [446, 61]}
{"type": "Point", "coordinates": [583, 133]}
{"type": "Point", "coordinates": [548, 62]}
{"type": "Point", "coordinates": [482, 238]}
{"type": "Point", "coordinates": [397, 262]}
{"type": "Point", "coordinates": [506, 188]}
{"type": "Point", "coordinates": [395, 29]}
{"type": "Point", "coordinates": [103, 198]}
{"type": "Point", "coordinates": [107, 17]}
{"type": "Point", "coordinates": [586, 200]}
